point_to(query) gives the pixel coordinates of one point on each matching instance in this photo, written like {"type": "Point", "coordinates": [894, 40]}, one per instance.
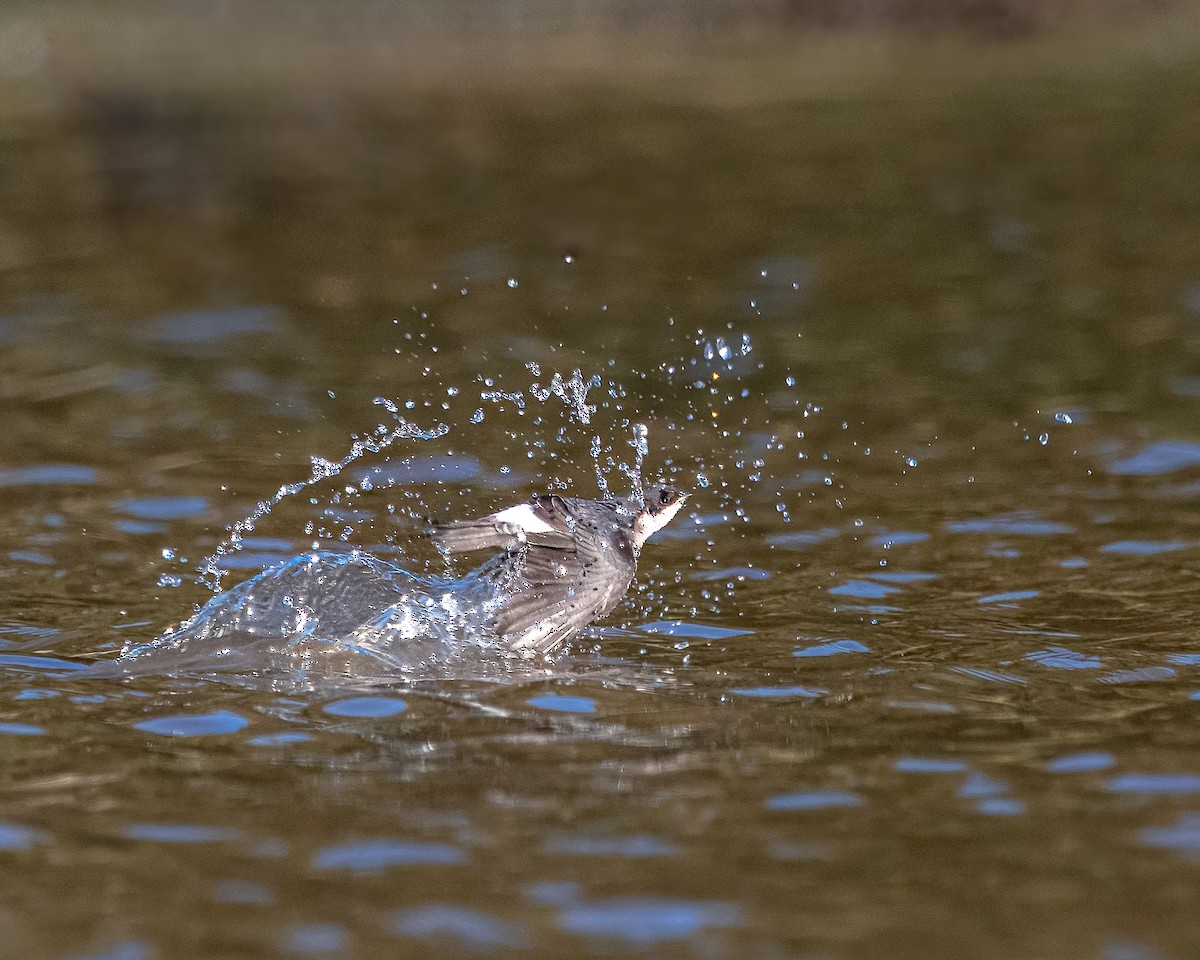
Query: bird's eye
{"type": "Point", "coordinates": [663, 496]}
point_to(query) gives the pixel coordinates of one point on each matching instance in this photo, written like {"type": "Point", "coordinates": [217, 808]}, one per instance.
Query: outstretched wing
{"type": "Point", "coordinates": [567, 588]}
{"type": "Point", "coordinates": [544, 520]}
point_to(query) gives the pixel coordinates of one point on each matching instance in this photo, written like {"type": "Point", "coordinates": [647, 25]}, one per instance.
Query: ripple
{"type": "Point", "coordinates": [373, 856]}
{"type": "Point", "coordinates": [1146, 548]}
{"type": "Point", "coordinates": [202, 327]}
{"type": "Point", "coordinates": [163, 508]}
{"type": "Point", "coordinates": [375, 707]}
{"type": "Point", "coordinates": [814, 800]}
{"type": "Point", "coordinates": [832, 648]}
{"type": "Point", "coordinates": [733, 573]}
{"type": "Point", "coordinates": [21, 730]}
{"type": "Point", "coordinates": [899, 538]}
{"type": "Point", "coordinates": [278, 739]}
{"type": "Point", "coordinates": [904, 576]}
{"type": "Point", "coordinates": [799, 539]}
{"type": "Point", "coordinates": [929, 765]}
{"type": "Point", "coordinates": [194, 725]}
{"type": "Point", "coordinates": [561, 704]}
{"type": "Point", "coordinates": [863, 590]}
{"type": "Point", "coordinates": [698, 631]}
{"type": "Point", "coordinates": [34, 557]}
{"type": "Point", "coordinates": [179, 833]}
{"type": "Point", "coordinates": [1011, 597]}
{"type": "Point", "coordinates": [1085, 762]}
{"type": "Point", "coordinates": [1183, 836]}
{"type": "Point", "coordinates": [416, 470]}
{"type": "Point", "coordinates": [1000, 806]}
{"type": "Point", "coordinates": [13, 836]}
{"type": "Point", "coordinates": [1154, 783]}
{"type": "Point", "coordinates": [1062, 658]}
{"type": "Point", "coordinates": [1140, 675]}
{"type": "Point", "coordinates": [646, 920]}
{"type": "Point", "coordinates": [448, 921]}
{"type": "Point", "coordinates": [636, 847]}
{"type": "Point", "coordinates": [1012, 525]}
{"type": "Point", "coordinates": [49, 475]}
{"type": "Point", "coordinates": [243, 892]}
{"type": "Point", "coordinates": [780, 693]}
{"type": "Point", "coordinates": [1155, 459]}
{"type": "Point", "coordinates": [316, 938]}
{"type": "Point", "coordinates": [125, 950]}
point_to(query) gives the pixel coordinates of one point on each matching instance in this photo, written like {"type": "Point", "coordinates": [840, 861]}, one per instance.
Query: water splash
{"type": "Point", "coordinates": [322, 613]}
{"type": "Point", "coordinates": [211, 572]}
{"type": "Point", "coordinates": [641, 449]}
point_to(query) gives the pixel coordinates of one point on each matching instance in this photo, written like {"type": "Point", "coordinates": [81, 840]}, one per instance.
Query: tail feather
{"type": "Point", "coordinates": [468, 535]}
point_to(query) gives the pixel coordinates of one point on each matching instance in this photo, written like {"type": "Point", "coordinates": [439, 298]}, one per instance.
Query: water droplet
{"type": "Point", "coordinates": [512, 283]}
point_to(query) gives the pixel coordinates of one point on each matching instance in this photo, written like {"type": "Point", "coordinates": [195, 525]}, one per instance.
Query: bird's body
{"type": "Point", "coordinates": [574, 559]}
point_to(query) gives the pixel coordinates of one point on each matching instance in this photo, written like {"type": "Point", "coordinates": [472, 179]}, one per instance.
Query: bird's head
{"type": "Point", "coordinates": [658, 506]}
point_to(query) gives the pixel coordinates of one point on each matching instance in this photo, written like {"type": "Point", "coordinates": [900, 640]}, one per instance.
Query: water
{"type": "Point", "coordinates": [915, 676]}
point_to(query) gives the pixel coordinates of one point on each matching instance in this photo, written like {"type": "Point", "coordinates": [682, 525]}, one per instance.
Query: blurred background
{"type": "Point", "coordinates": [906, 291]}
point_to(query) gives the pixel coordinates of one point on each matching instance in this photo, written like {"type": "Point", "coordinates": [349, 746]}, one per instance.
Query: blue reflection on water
{"type": "Point", "coordinates": [1085, 762]}
{"type": "Point", "coordinates": [863, 590]}
{"type": "Point", "coordinates": [194, 725]}
{"type": "Point", "coordinates": [1183, 836]}
{"type": "Point", "coordinates": [1061, 658]}
{"type": "Point", "coordinates": [1145, 548]}
{"type": "Point", "coordinates": [1154, 783]}
{"type": "Point", "coordinates": [278, 739]}
{"type": "Point", "coordinates": [13, 836]}
{"type": "Point", "coordinates": [178, 833]}
{"type": "Point", "coordinates": [372, 856]}
{"type": "Point", "coordinates": [125, 950]}
{"type": "Point", "coordinates": [21, 730]}
{"type": "Point", "coordinates": [929, 765]}
{"type": "Point", "coordinates": [49, 475]}
{"type": "Point", "coordinates": [366, 707]}
{"type": "Point", "coordinates": [1013, 525]}
{"type": "Point", "coordinates": [780, 693]}
{"type": "Point", "coordinates": [163, 508]}
{"type": "Point", "coordinates": [561, 704]}
{"type": "Point", "coordinates": [448, 921]}
{"type": "Point", "coordinates": [899, 538]}
{"type": "Point", "coordinates": [1139, 675]}
{"type": "Point", "coordinates": [316, 938]}
{"type": "Point", "coordinates": [699, 631]}
{"type": "Point", "coordinates": [814, 800]}
{"type": "Point", "coordinates": [1011, 597]}
{"type": "Point", "coordinates": [1162, 456]}
{"type": "Point", "coordinates": [634, 847]}
{"type": "Point", "coordinates": [647, 919]}
{"type": "Point", "coordinates": [203, 326]}
{"type": "Point", "coordinates": [832, 648]}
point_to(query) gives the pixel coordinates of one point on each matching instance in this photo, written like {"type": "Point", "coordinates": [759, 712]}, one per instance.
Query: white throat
{"type": "Point", "coordinates": [647, 524]}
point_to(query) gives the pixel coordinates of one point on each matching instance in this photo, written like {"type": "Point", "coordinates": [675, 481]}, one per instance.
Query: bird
{"type": "Point", "coordinates": [573, 559]}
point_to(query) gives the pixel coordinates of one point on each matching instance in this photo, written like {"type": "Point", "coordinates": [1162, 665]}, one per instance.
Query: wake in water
{"type": "Point", "coordinates": [337, 613]}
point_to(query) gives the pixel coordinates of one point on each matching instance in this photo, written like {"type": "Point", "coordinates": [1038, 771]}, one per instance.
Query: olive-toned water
{"type": "Point", "coordinates": [917, 677]}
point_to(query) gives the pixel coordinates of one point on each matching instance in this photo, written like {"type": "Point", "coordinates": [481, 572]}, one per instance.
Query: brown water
{"type": "Point", "coordinates": [916, 678]}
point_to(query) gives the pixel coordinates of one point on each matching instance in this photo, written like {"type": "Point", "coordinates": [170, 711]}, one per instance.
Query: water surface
{"type": "Point", "coordinates": [916, 677]}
